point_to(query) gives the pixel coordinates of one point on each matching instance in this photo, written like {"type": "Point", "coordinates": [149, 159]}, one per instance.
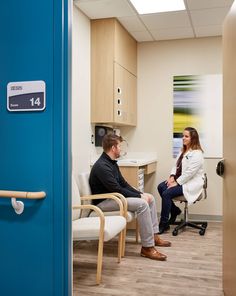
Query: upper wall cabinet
{"type": "Point", "coordinates": [114, 74]}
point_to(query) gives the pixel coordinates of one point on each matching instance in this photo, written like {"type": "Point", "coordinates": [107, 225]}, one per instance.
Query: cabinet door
{"type": "Point", "coordinates": [131, 175]}
{"type": "Point", "coordinates": [120, 96]}
{"type": "Point", "coordinates": [131, 93]}
{"type": "Point", "coordinates": [125, 107]}
{"type": "Point", "coordinates": [102, 56]}
{"type": "Point", "coordinates": [125, 49]}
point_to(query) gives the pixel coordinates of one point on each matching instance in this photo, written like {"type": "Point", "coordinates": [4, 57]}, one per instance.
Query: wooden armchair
{"type": "Point", "coordinates": [84, 189]}
{"type": "Point", "coordinates": [99, 228]}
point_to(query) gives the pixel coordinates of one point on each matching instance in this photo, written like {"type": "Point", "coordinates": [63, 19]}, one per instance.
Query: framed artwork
{"type": "Point", "coordinates": [197, 102]}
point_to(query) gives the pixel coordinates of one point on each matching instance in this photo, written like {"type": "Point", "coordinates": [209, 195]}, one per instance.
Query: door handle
{"type": "Point", "coordinates": [220, 167]}
{"type": "Point", "coordinates": [19, 205]}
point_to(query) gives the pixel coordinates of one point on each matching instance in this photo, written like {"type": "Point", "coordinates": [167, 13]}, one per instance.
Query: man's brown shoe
{"type": "Point", "coordinates": [160, 242]}
{"type": "Point", "coordinates": [152, 253]}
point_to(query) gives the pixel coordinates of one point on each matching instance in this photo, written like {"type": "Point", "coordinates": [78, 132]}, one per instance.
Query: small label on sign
{"type": "Point", "coordinates": [26, 96]}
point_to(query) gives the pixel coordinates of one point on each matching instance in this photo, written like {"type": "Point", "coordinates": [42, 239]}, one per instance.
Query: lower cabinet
{"type": "Point", "coordinates": [135, 176]}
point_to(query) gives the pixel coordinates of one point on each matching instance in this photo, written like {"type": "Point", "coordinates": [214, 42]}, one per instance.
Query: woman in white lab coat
{"type": "Point", "coordinates": [186, 178]}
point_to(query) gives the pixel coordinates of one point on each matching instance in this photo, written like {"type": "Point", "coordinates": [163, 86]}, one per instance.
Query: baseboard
{"type": "Point", "coordinates": [197, 217]}
{"type": "Point", "coordinates": [193, 217]}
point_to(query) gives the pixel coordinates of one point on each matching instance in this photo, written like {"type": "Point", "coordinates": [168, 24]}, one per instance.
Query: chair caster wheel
{"type": "Point", "coordinates": [175, 232]}
{"type": "Point", "coordinates": [204, 225]}
{"type": "Point", "coordinates": [202, 231]}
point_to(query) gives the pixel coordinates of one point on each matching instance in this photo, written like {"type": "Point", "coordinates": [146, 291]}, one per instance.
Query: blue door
{"type": "Point", "coordinates": [35, 247]}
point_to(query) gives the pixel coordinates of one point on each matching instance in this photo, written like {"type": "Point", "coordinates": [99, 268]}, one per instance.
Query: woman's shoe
{"type": "Point", "coordinates": [174, 214]}
{"type": "Point", "coordinates": [163, 227]}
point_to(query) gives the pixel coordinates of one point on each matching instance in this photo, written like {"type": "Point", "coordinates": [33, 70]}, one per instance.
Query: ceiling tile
{"type": "Point", "coordinates": [132, 23]}
{"type": "Point", "coordinates": [166, 20]}
{"type": "Point", "coordinates": [96, 9]}
{"type": "Point", "coordinates": [207, 17]}
{"type": "Point", "coordinates": [141, 36]}
{"type": "Point", "coordinates": [203, 4]}
{"type": "Point", "coordinates": [177, 33]}
{"type": "Point", "coordinates": [208, 31]}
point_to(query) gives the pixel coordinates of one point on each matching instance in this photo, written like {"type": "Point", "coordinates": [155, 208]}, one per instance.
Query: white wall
{"type": "Point", "coordinates": [158, 62]}
{"type": "Point", "coordinates": [81, 131]}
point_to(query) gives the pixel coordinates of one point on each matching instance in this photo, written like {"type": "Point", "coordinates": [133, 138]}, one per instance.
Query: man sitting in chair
{"type": "Point", "coordinates": [105, 177]}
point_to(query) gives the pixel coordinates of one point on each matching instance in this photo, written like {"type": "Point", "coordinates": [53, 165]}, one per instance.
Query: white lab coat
{"type": "Point", "coordinates": [192, 176]}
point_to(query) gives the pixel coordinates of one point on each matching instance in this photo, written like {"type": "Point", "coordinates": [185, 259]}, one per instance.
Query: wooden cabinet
{"type": "Point", "coordinates": [125, 106]}
{"type": "Point", "coordinates": [114, 74]}
{"type": "Point", "coordinates": [135, 175]}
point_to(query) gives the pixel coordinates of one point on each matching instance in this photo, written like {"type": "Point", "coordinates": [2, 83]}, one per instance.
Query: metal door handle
{"type": "Point", "coordinates": [220, 167]}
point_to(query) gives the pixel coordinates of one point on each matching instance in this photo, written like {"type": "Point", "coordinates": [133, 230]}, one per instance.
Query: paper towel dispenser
{"type": "Point", "coordinates": [100, 132]}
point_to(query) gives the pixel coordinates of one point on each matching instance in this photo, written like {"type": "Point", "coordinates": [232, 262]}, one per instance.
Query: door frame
{"type": "Point", "coordinates": [62, 111]}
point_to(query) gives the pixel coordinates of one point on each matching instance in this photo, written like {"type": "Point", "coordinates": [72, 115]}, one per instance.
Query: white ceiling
{"type": "Point", "coordinates": [202, 18]}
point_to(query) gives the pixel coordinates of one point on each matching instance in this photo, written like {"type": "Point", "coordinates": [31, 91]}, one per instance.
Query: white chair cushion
{"type": "Point", "coordinates": [130, 215]}
{"type": "Point", "coordinates": [88, 228]}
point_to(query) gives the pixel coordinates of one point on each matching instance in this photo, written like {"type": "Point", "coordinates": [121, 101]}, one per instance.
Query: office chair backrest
{"type": "Point", "coordinates": [205, 186]}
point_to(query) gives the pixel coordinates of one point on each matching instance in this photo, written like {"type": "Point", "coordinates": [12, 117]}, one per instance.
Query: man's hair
{"type": "Point", "coordinates": [110, 140]}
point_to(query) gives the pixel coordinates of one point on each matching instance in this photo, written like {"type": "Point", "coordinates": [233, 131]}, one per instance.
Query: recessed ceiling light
{"type": "Point", "coordinates": [155, 6]}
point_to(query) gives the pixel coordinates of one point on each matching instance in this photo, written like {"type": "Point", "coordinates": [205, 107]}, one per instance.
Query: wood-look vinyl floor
{"type": "Point", "coordinates": [193, 267]}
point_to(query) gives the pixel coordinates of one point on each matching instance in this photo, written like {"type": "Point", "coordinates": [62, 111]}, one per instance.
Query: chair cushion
{"type": "Point", "coordinates": [130, 215]}
{"type": "Point", "coordinates": [183, 199]}
{"type": "Point", "coordinates": [88, 228]}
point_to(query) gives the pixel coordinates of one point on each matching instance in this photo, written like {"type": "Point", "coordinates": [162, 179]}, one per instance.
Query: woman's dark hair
{"type": "Point", "coordinates": [194, 137]}
{"type": "Point", "coordinates": [110, 140]}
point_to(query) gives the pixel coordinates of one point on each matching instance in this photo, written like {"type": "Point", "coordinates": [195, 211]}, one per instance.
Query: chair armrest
{"type": "Point", "coordinates": [90, 207]}
{"type": "Point", "coordinates": [124, 201]}
{"type": "Point", "coordinates": [99, 213]}
{"type": "Point", "coordinates": [105, 196]}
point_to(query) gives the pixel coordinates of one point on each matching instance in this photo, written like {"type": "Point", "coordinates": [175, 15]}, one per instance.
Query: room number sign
{"type": "Point", "coordinates": [26, 96]}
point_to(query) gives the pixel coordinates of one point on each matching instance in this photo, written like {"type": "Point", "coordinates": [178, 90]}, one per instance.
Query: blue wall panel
{"type": "Point", "coordinates": [34, 149]}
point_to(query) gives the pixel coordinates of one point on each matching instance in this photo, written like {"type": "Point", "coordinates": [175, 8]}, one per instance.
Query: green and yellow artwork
{"type": "Point", "coordinates": [197, 102]}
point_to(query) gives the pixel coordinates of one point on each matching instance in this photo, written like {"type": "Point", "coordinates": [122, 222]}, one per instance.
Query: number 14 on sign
{"type": "Point", "coordinates": [35, 101]}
